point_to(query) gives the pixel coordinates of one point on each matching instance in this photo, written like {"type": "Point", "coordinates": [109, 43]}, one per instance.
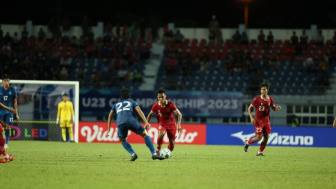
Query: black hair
{"type": "Point", "coordinates": [5, 76]}
{"type": "Point", "coordinates": [125, 94]}
{"type": "Point", "coordinates": [160, 91]}
{"type": "Point", "coordinates": [264, 84]}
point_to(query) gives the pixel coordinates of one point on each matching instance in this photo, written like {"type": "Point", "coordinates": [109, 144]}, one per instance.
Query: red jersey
{"type": "Point", "coordinates": [165, 114]}
{"type": "Point", "coordinates": [262, 108]}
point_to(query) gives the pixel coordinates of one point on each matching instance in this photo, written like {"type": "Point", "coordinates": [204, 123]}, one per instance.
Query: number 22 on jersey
{"type": "Point", "coordinates": [123, 106]}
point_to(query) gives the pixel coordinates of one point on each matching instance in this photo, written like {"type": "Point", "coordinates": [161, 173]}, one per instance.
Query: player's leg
{"type": "Point", "coordinates": [2, 144]}
{"type": "Point", "coordinates": [9, 122]}
{"type": "Point", "coordinates": [2, 147]}
{"type": "Point", "coordinates": [148, 142]}
{"type": "Point", "coordinates": [64, 130]}
{"type": "Point", "coordinates": [140, 130]}
{"type": "Point", "coordinates": [70, 131]}
{"type": "Point", "coordinates": [3, 150]}
{"type": "Point", "coordinates": [266, 132]}
{"type": "Point", "coordinates": [7, 133]}
{"type": "Point", "coordinates": [258, 137]}
{"type": "Point", "coordinates": [122, 134]}
{"type": "Point", "coordinates": [150, 146]}
{"type": "Point", "coordinates": [64, 133]}
{"type": "Point", "coordinates": [159, 141]}
{"type": "Point", "coordinates": [171, 133]}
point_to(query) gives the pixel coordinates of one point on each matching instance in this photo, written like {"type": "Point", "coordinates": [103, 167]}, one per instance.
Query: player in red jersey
{"type": "Point", "coordinates": [165, 116]}
{"type": "Point", "coordinates": [261, 122]}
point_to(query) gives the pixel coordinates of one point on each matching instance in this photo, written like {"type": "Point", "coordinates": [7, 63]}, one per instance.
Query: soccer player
{"type": "Point", "coordinates": [165, 116]}
{"type": "Point", "coordinates": [8, 97]}
{"type": "Point", "coordinates": [65, 116]}
{"type": "Point", "coordinates": [3, 137]}
{"type": "Point", "coordinates": [126, 121]}
{"type": "Point", "coordinates": [261, 121]}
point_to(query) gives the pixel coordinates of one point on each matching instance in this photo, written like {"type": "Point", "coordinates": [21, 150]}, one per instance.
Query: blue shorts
{"type": "Point", "coordinates": [8, 118]}
{"type": "Point", "coordinates": [133, 126]}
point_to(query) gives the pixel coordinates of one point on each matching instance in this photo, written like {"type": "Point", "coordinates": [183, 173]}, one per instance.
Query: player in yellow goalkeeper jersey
{"type": "Point", "coordinates": [65, 116]}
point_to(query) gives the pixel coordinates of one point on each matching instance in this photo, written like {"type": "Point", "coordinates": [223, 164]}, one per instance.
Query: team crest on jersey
{"type": "Point", "coordinates": [10, 92]}
{"type": "Point", "coordinates": [269, 103]}
{"type": "Point", "coordinates": [168, 110]}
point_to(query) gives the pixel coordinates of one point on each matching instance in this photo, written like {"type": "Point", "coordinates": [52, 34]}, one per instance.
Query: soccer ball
{"type": "Point", "coordinates": [165, 152]}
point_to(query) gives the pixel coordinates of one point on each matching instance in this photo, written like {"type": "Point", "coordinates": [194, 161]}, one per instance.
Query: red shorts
{"type": "Point", "coordinates": [171, 131]}
{"type": "Point", "coordinates": [260, 127]}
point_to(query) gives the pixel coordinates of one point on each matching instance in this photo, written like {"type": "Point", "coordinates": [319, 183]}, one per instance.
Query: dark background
{"type": "Point", "coordinates": [184, 13]}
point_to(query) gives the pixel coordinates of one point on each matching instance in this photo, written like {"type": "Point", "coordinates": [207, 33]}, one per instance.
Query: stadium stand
{"type": "Point", "coordinates": [110, 63]}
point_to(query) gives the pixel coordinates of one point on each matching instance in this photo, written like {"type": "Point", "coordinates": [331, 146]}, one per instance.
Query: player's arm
{"type": "Point", "coordinates": [142, 115]}
{"type": "Point", "coordinates": [58, 113]}
{"type": "Point", "coordinates": [179, 119]}
{"type": "Point", "coordinates": [72, 113]}
{"type": "Point", "coordinates": [7, 108]}
{"type": "Point", "coordinates": [149, 117]}
{"type": "Point", "coordinates": [276, 107]}
{"type": "Point", "coordinates": [250, 113]}
{"type": "Point", "coordinates": [109, 121]}
{"type": "Point", "coordinates": [334, 124]}
{"type": "Point", "coordinates": [16, 109]}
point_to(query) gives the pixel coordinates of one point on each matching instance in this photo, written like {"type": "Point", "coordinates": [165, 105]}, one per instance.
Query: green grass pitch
{"type": "Point", "coordinates": [69, 165]}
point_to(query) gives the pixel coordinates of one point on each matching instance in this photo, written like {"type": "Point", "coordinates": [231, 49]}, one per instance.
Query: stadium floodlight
{"type": "Point", "coordinates": [246, 2]}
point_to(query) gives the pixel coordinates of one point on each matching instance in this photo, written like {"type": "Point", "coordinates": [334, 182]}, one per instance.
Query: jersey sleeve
{"type": "Point", "coordinates": [15, 93]}
{"type": "Point", "coordinates": [114, 108]}
{"type": "Point", "coordinates": [254, 102]}
{"type": "Point", "coordinates": [59, 110]}
{"type": "Point", "coordinates": [71, 109]}
{"type": "Point", "coordinates": [135, 104]}
{"type": "Point", "coordinates": [272, 102]}
{"type": "Point", "coordinates": [154, 107]}
{"type": "Point", "coordinates": [172, 106]}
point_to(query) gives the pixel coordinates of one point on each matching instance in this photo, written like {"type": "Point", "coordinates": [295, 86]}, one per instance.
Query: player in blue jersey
{"type": "Point", "coordinates": [8, 97]}
{"type": "Point", "coordinates": [126, 121]}
{"type": "Point", "coordinates": [7, 158]}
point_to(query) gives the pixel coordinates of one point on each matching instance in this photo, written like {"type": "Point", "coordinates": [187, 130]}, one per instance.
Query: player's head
{"type": "Point", "coordinates": [125, 94]}
{"type": "Point", "coordinates": [5, 80]}
{"type": "Point", "coordinates": [65, 96]}
{"type": "Point", "coordinates": [264, 88]}
{"type": "Point", "coordinates": [161, 95]}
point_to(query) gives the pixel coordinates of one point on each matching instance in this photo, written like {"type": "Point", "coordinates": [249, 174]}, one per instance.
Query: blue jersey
{"type": "Point", "coordinates": [124, 110]}
{"type": "Point", "coordinates": [7, 98]}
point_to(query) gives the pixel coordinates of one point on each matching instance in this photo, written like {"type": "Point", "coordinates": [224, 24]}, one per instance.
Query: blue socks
{"type": "Point", "coordinates": [149, 144]}
{"type": "Point", "coordinates": [128, 147]}
{"type": "Point", "coordinates": [7, 135]}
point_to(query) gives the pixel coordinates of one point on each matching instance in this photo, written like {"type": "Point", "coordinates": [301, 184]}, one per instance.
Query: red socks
{"type": "Point", "coordinates": [262, 147]}
{"type": "Point", "coordinates": [3, 152]}
{"type": "Point", "coordinates": [2, 144]}
{"type": "Point", "coordinates": [2, 147]}
{"type": "Point", "coordinates": [250, 141]}
{"type": "Point", "coordinates": [171, 148]}
{"type": "Point", "coordinates": [159, 143]}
